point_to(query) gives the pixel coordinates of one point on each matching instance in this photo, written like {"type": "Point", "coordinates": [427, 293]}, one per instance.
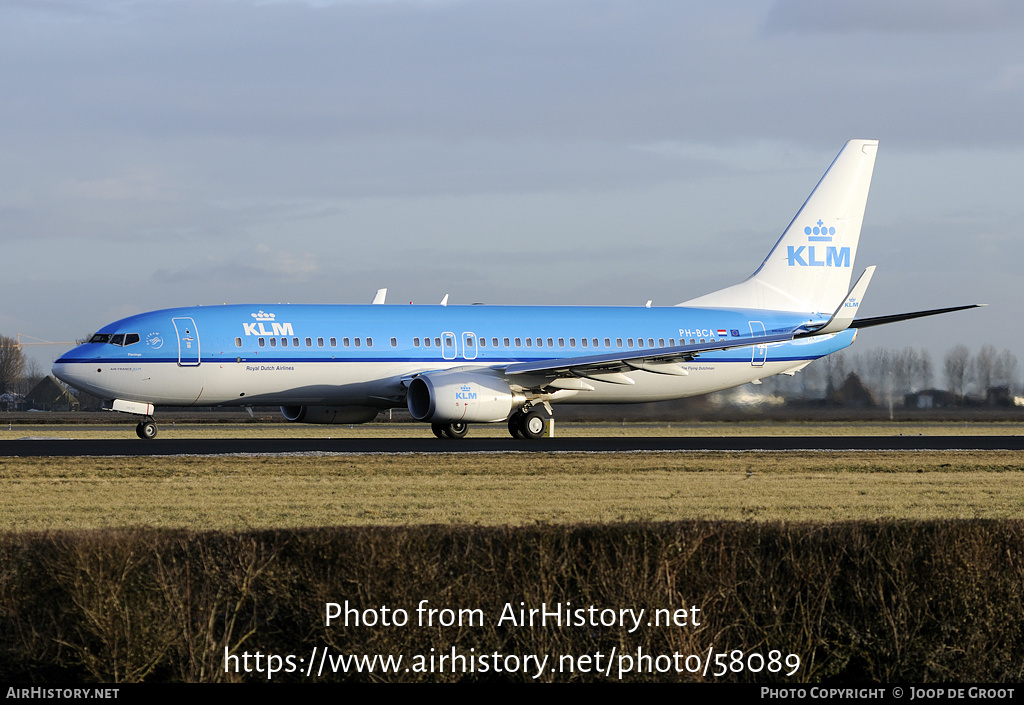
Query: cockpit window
{"type": "Point", "coordinates": [118, 339]}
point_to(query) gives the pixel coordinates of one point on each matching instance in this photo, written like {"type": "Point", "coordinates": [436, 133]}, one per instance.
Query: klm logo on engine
{"type": "Point", "coordinates": [263, 319]}
{"type": "Point", "coordinates": [818, 255]}
{"type": "Point", "coordinates": [465, 393]}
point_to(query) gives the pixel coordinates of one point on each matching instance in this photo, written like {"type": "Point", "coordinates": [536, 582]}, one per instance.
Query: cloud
{"type": "Point", "coordinates": [503, 150]}
{"type": "Point", "coordinates": [896, 16]}
{"type": "Point", "coordinates": [261, 264]}
{"type": "Point", "coordinates": [1008, 79]}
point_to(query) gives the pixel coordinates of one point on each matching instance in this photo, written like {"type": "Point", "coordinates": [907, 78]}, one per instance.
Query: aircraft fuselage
{"type": "Point", "coordinates": [360, 355]}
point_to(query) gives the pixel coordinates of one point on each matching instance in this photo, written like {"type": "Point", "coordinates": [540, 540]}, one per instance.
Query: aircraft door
{"type": "Point", "coordinates": [448, 347]}
{"type": "Point", "coordinates": [760, 354]}
{"type": "Point", "coordinates": [469, 344]}
{"type": "Point", "coordinates": [188, 342]}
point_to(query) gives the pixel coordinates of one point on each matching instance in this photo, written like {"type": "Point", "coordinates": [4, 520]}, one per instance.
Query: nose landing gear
{"type": "Point", "coordinates": [146, 429]}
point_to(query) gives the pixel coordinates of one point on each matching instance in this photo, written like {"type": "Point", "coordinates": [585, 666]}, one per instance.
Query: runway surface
{"type": "Point", "coordinates": [138, 448]}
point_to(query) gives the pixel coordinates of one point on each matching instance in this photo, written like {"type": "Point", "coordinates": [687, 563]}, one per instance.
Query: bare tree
{"type": "Point", "coordinates": [984, 367]}
{"type": "Point", "coordinates": [1005, 369]}
{"type": "Point", "coordinates": [810, 379]}
{"type": "Point", "coordinates": [924, 370]}
{"type": "Point", "coordinates": [904, 364]}
{"type": "Point", "coordinates": [878, 374]}
{"type": "Point", "coordinates": [32, 374]}
{"type": "Point", "coordinates": [957, 360]}
{"type": "Point", "coordinates": [12, 363]}
{"type": "Point", "coordinates": [835, 373]}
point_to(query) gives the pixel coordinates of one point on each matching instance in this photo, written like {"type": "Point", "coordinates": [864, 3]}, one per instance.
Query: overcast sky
{"type": "Point", "coordinates": [164, 153]}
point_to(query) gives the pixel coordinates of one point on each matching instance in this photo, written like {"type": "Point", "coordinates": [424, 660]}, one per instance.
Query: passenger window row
{"type": "Point", "coordinates": [308, 342]}
{"type": "Point", "coordinates": [449, 342]}
{"type": "Point", "coordinates": [125, 339]}
{"type": "Point", "coordinates": [498, 343]}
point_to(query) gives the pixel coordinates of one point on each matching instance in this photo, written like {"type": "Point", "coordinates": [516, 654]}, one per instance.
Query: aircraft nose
{"type": "Point", "coordinates": [66, 372]}
{"type": "Point", "coordinates": [60, 371]}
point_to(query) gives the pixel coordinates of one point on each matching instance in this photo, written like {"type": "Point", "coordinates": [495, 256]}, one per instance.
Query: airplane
{"type": "Point", "coordinates": [452, 366]}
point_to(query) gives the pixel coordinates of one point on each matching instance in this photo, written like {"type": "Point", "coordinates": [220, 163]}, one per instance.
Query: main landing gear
{"type": "Point", "coordinates": [459, 429]}
{"type": "Point", "coordinates": [524, 424]}
{"type": "Point", "coordinates": [527, 424]}
{"type": "Point", "coordinates": [146, 429]}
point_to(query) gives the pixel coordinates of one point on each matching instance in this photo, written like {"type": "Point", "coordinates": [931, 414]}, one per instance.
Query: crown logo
{"type": "Point", "coordinates": [820, 231]}
{"type": "Point", "coordinates": [263, 316]}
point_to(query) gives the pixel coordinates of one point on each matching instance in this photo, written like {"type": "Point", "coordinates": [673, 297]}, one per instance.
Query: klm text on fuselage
{"type": "Point", "coordinates": [275, 329]}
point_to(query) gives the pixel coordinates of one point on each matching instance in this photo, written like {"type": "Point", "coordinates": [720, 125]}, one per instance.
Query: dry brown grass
{"type": "Point", "coordinates": [269, 492]}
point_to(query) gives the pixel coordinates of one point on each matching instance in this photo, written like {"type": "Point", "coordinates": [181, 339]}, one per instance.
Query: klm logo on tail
{"type": "Point", "coordinates": [808, 255]}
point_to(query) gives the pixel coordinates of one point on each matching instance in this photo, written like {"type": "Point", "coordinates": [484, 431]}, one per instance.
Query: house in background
{"type": "Point", "coordinates": [12, 402]}
{"type": "Point", "coordinates": [50, 395]}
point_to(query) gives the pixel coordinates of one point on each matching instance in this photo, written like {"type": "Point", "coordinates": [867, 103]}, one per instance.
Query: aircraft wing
{"type": "Point", "coordinates": [608, 367]}
{"type": "Point", "coordinates": [882, 320]}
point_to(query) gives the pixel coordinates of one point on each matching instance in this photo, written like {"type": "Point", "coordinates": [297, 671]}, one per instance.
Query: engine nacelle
{"type": "Point", "coordinates": [447, 397]}
{"type": "Point", "coordinates": [329, 414]}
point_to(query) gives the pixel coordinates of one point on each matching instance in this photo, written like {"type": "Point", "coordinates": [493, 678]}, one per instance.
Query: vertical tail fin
{"type": "Point", "coordinates": [810, 267]}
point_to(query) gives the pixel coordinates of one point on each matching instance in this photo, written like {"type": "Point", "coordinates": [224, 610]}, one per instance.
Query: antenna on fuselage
{"type": "Point", "coordinates": [444, 301]}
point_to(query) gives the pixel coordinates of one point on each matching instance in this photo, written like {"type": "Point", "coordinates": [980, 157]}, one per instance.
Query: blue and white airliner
{"type": "Point", "coordinates": [456, 365]}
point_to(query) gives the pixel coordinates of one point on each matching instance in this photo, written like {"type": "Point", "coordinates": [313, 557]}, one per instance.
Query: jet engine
{"type": "Point", "coordinates": [329, 414]}
{"type": "Point", "coordinates": [457, 395]}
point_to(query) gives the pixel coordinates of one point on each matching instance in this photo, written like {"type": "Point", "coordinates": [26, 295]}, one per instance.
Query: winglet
{"type": "Point", "coordinates": [379, 297]}
{"type": "Point", "coordinates": [844, 315]}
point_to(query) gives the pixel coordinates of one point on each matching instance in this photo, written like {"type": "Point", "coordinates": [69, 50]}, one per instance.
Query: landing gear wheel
{"type": "Point", "coordinates": [515, 425]}
{"type": "Point", "coordinates": [146, 429]}
{"type": "Point", "coordinates": [532, 425]}
{"type": "Point", "coordinates": [459, 429]}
